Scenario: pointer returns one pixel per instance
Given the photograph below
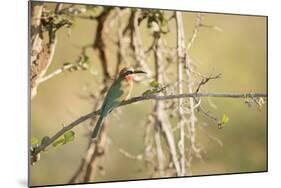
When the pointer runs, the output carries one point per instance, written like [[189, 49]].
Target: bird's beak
[[138, 71]]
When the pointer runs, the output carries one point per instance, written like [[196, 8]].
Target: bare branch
[[55, 73], [209, 115], [121, 47], [143, 98], [198, 24], [161, 117], [205, 80], [159, 152], [67, 66], [131, 156], [181, 54], [158, 107], [99, 42], [210, 136], [99, 149]]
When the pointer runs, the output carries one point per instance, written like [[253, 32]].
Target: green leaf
[[162, 19], [66, 64], [154, 84], [44, 140], [86, 58], [34, 141], [59, 142], [224, 119], [69, 136], [66, 138], [149, 92]]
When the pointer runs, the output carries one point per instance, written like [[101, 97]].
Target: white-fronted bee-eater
[[119, 91]]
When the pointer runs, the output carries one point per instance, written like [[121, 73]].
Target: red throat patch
[[129, 78]]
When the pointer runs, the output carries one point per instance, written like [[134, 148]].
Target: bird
[[119, 91]]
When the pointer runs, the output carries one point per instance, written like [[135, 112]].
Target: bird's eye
[[130, 72]]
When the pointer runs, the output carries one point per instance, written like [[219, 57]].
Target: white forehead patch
[[130, 69]]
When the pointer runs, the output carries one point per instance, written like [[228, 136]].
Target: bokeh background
[[238, 52]]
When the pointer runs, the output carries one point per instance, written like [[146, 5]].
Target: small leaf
[[74, 68], [92, 9], [86, 58], [224, 119], [34, 141], [149, 92], [66, 64], [44, 140], [69, 136], [154, 84], [59, 142]]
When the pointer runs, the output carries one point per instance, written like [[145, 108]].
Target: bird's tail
[[97, 128]]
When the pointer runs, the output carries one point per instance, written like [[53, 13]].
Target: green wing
[[113, 98]]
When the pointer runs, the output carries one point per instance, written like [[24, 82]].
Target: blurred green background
[[238, 52]]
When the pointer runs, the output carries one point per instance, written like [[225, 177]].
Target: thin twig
[[198, 24], [205, 80], [55, 73], [211, 137], [209, 115], [131, 156]]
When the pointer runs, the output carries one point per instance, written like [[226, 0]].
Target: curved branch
[[138, 99]]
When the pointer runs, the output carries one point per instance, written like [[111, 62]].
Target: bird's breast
[[127, 86]]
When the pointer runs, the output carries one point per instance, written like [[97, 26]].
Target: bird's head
[[127, 73]]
